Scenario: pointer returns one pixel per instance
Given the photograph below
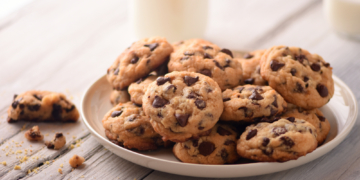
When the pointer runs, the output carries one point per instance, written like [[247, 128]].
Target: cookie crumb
[[61, 165], [16, 167], [34, 134], [60, 170], [76, 161], [3, 163], [23, 127], [57, 143], [46, 162], [71, 146], [25, 158], [28, 171]]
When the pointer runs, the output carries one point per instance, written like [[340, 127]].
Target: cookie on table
[[137, 61], [282, 140], [219, 147], [302, 78], [197, 55], [249, 102], [117, 97], [138, 88], [127, 125], [251, 68], [314, 117], [183, 105], [36, 105]]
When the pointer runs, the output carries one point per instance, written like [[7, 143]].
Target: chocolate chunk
[[57, 111], [192, 95], [315, 67], [116, 72], [306, 78], [273, 111], [200, 128], [159, 102], [195, 142], [228, 52], [38, 97], [247, 56], [268, 151], [322, 90], [226, 99], [223, 132], [224, 154], [15, 104], [200, 103], [240, 89], [182, 119], [159, 115], [188, 80], [255, 95], [275, 102], [207, 56], [249, 81], [15, 96], [152, 46], [228, 142], [321, 118], [228, 61], [206, 148], [251, 134], [291, 119], [298, 88], [293, 71], [218, 65], [287, 141], [207, 47], [265, 141], [326, 64], [300, 58], [187, 53], [275, 65], [205, 72], [171, 86], [70, 109], [134, 60], [162, 80], [116, 113], [279, 130], [58, 135], [184, 58], [132, 118], [34, 107]]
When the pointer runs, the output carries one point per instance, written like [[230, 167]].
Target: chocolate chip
[[188, 80], [275, 65], [228, 61], [279, 130], [287, 141], [228, 52], [218, 65], [139, 81], [116, 72], [15, 104], [200, 128], [275, 102], [247, 56], [58, 135], [15, 96], [273, 111], [182, 119], [200, 104], [184, 58], [205, 72], [171, 86], [207, 47], [224, 154], [268, 151], [192, 95], [291, 119], [255, 95], [326, 64], [187, 53], [207, 56], [195, 142], [152, 46], [240, 89], [251, 134], [56, 112], [298, 88], [70, 109], [249, 81], [159, 102], [37, 97], [321, 118], [162, 80], [306, 78], [265, 141], [134, 60], [315, 67], [310, 130], [226, 99], [300, 58], [34, 107], [116, 113], [322, 90], [223, 132], [293, 71], [206, 148], [131, 118], [228, 142]]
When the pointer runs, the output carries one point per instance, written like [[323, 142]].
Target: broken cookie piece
[[34, 134], [76, 161], [42, 106], [57, 143]]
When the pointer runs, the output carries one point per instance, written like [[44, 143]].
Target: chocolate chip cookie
[[42, 106], [183, 105], [138, 88], [127, 125], [314, 117], [302, 78], [249, 102], [137, 61], [219, 147], [282, 140], [117, 97], [197, 55], [251, 68]]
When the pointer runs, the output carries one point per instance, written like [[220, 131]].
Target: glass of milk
[[174, 19], [344, 16]]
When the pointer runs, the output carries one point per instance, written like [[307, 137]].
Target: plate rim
[[353, 107]]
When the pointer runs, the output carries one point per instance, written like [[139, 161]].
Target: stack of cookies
[[214, 108]]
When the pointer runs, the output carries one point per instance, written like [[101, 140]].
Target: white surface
[[9, 6], [341, 112]]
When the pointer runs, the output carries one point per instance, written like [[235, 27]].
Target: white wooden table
[[65, 45]]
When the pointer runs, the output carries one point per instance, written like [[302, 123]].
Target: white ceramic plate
[[341, 111]]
